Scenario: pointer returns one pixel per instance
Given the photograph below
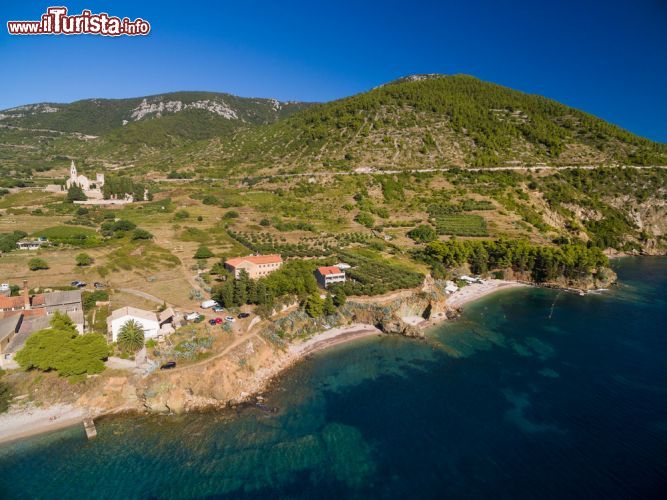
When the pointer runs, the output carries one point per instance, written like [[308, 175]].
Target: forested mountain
[[420, 121], [433, 120], [100, 116]]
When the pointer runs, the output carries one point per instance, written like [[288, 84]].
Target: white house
[[147, 319], [329, 275], [31, 244]]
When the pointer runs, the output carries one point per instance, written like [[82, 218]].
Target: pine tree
[[329, 307], [75, 193]]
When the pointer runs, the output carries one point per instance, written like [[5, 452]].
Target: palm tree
[[131, 336]]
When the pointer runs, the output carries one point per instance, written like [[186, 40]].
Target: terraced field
[[461, 225]]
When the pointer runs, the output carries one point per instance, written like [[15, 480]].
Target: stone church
[[84, 183]]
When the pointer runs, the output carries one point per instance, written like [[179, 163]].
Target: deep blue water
[[531, 394]]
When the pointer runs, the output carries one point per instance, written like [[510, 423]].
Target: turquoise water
[[531, 394]]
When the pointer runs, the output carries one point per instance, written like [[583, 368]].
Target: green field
[[461, 225]]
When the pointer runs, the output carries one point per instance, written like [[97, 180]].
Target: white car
[[192, 316], [231, 319]]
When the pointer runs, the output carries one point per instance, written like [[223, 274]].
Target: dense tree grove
[[62, 349], [544, 263], [118, 187], [491, 116]]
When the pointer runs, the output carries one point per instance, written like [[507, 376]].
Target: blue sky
[[606, 57]]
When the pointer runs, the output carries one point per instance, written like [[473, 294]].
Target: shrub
[[141, 234], [8, 240], [83, 259], [365, 219], [423, 233], [182, 214], [232, 214], [203, 252], [36, 264], [265, 222], [209, 200], [123, 225]]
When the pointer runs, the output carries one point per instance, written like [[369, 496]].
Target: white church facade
[[92, 189]]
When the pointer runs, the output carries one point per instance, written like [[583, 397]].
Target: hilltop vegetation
[[439, 121], [410, 123]]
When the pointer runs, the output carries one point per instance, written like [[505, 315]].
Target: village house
[[31, 244], [22, 315], [329, 275], [257, 266], [153, 324]]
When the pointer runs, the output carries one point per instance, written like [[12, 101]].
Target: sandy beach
[[332, 337], [26, 421], [476, 291]]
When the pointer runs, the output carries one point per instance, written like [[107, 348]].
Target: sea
[[533, 393]]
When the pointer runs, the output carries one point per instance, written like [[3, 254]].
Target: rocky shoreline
[[248, 371]]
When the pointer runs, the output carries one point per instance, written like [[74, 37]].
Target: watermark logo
[[56, 21]]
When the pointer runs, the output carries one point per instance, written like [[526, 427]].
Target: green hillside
[[421, 121], [440, 121], [100, 116]]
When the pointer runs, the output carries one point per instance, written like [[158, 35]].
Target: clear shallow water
[[532, 394]]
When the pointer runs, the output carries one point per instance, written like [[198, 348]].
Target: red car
[[218, 321]]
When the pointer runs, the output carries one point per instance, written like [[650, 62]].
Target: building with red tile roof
[[257, 266]]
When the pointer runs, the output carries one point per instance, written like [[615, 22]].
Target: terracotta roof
[[324, 271], [17, 301], [39, 300], [255, 259], [27, 313]]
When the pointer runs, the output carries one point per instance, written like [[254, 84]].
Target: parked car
[[207, 304], [231, 319], [168, 365], [212, 322], [99, 285], [191, 316], [218, 321], [244, 315], [78, 284], [218, 309]]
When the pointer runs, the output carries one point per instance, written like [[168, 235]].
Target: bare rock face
[[389, 315]]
